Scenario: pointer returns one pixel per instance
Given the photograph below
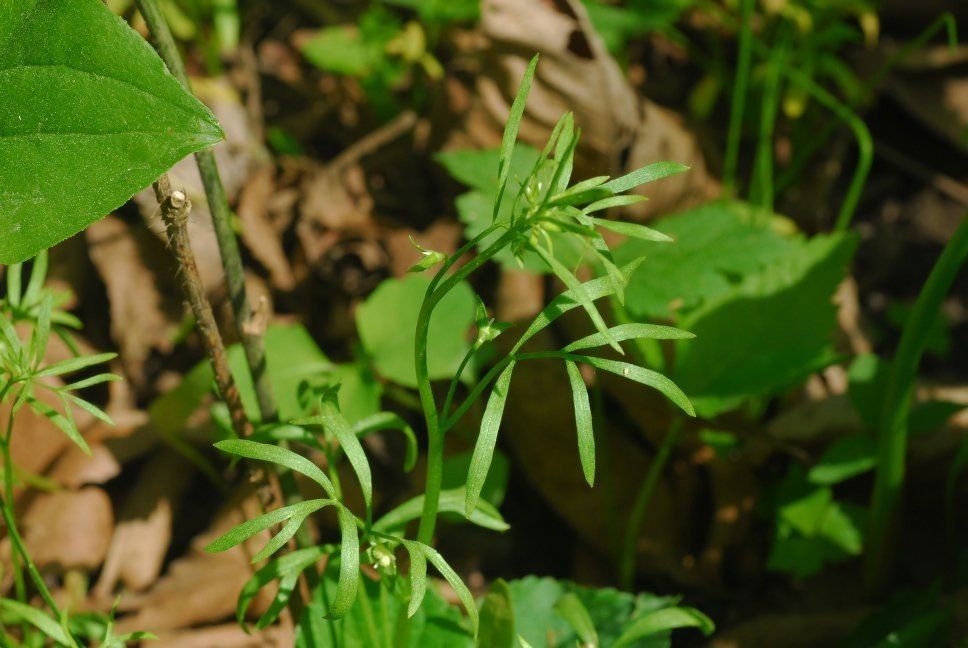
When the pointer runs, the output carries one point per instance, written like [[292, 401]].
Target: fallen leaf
[[69, 529]]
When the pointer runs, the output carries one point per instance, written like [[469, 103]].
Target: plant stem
[[764, 154], [636, 517], [740, 88], [222, 221], [439, 287], [892, 422]]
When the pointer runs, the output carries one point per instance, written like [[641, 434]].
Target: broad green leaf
[[610, 610], [571, 609], [715, 245], [583, 421], [649, 173], [451, 501], [644, 376], [497, 618], [633, 331], [333, 422], [487, 440], [664, 620], [390, 421], [387, 322], [845, 458], [340, 50], [90, 115], [249, 528], [511, 134], [768, 332], [15, 611], [280, 456]]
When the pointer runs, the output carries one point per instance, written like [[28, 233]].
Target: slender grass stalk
[[222, 221], [892, 421], [740, 89], [764, 155], [439, 287], [626, 570]]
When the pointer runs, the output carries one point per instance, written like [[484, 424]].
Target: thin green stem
[[18, 577], [452, 390], [740, 89], [892, 422], [764, 154], [435, 434], [641, 504]]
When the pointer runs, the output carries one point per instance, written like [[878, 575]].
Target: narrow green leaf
[[633, 331], [390, 421], [644, 376], [583, 421], [564, 156], [14, 283], [280, 456], [581, 192], [249, 528], [595, 289], [451, 501], [578, 292], [511, 133], [38, 272], [41, 334], [663, 620], [649, 173], [632, 230], [486, 440], [418, 576], [463, 594], [90, 408], [64, 422], [75, 364], [283, 569], [93, 380], [349, 565], [335, 423], [36, 618], [290, 529], [573, 611], [612, 201]]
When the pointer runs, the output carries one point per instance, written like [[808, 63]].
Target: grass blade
[[511, 133], [583, 421], [280, 456], [36, 618], [633, 331], [486, 440], [644, 376], [648, 173]]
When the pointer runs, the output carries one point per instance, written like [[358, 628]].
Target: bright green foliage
[[617, 24], [767, 332], [88, 116], [845, 458], [479, 171], [485, 515], [387, 320], [487, 439], [812, 529], [14, 611], [547, 612], [715, 245], [374, 620], [497, 617]]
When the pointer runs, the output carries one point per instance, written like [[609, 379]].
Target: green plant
[[28, 381]]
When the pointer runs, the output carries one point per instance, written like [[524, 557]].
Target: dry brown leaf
[[144, 525], [69, 529], [228, 635], [139, 321], [257, 231]]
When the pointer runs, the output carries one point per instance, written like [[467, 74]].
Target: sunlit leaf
[[280, 456], [487, 440]]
